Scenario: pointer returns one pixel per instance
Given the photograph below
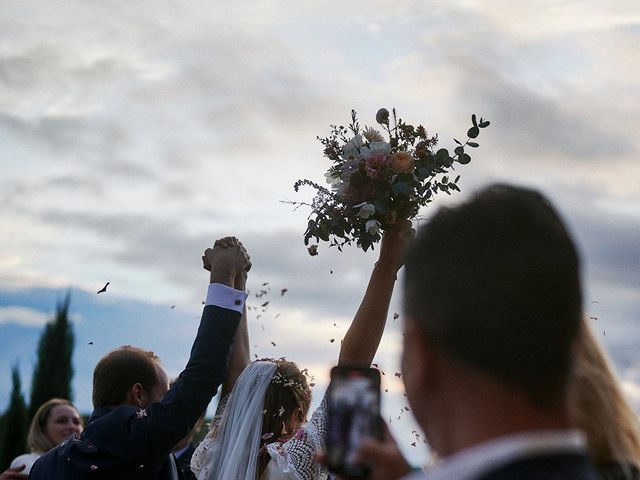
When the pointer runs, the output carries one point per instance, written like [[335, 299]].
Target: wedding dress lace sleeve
[[294, 459], [290, 460], [199, 460]]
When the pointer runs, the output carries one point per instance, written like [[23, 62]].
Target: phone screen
[[354, 415]]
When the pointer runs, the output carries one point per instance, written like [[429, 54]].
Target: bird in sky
[[103, 289]]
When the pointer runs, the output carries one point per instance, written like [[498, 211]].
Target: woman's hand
[[394, 243], [228, 262]]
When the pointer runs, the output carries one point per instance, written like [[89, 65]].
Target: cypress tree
[[14, 432], [53, 372]]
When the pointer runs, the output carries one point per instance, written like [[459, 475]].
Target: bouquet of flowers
[[378, 176]]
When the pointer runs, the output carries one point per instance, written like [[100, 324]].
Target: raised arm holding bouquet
[[260, 430]]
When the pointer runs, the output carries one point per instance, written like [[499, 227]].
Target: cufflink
[[238, 301]]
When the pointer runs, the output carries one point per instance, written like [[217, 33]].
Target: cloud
[[165, 247], [23, 316]]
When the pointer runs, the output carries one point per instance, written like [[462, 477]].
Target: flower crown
[[299, 388]]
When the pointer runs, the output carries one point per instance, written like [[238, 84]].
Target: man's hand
[[228, 262], [384, 458], [14, 474]]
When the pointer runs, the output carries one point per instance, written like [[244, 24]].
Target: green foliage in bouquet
[[378, 177]]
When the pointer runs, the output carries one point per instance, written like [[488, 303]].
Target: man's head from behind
[[128, 375], [494, 285]]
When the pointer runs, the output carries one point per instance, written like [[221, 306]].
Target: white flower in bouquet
[[366, 210], [372, 227], [372, 135], [351, 149], [375, 148], [333, 177]]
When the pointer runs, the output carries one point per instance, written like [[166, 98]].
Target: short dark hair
[[119, 370], [495, 283]]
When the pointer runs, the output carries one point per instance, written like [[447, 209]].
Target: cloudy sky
[[134, 134]]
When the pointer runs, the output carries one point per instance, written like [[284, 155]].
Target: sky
[[134, 134]]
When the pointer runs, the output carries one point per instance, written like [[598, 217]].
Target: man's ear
[[137, 395], [420, 363]]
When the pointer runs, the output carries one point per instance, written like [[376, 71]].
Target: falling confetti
[[395, 316], [283, 291], [332, 340], [398, 374], [273, 343], [265, 304], [103, 289]]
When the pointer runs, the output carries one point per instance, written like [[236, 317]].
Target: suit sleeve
[[157, 429]]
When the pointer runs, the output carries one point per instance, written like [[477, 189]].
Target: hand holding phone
[[354, 416]]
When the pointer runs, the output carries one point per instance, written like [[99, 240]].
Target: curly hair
[[286, 405]]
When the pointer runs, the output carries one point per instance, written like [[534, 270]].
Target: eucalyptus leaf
[[464, 159]]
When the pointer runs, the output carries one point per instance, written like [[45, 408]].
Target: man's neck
[[481, 424], [476, 411]]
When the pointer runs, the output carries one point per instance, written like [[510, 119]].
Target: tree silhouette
[[13, 438], [53, 372]]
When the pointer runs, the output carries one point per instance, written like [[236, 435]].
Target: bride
[[260, 430]]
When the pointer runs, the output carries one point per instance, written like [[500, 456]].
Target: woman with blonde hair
[[598, 407], [53, 423]]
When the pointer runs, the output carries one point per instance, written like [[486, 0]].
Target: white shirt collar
[[481, 459]]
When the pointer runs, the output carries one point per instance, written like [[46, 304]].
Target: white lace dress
[[290, 460]]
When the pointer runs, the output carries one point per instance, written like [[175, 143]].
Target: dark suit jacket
[[129, 443], [546, 467], [184, 462]]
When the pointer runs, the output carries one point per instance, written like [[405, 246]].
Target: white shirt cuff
[[226, 297]]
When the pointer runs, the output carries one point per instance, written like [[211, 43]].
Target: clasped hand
[[228, 262]]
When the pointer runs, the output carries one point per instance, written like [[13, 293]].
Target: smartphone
[[353, 405]]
